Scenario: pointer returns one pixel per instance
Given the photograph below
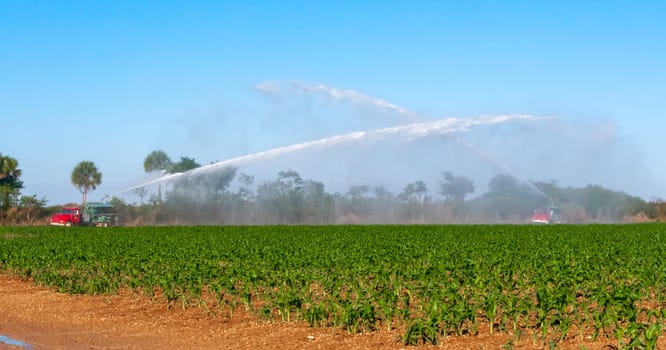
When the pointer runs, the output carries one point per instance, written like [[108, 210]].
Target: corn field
[[553, 283]]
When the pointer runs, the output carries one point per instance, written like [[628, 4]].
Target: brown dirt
[[45, 319]]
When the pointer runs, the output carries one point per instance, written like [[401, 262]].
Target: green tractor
[[99, 214]]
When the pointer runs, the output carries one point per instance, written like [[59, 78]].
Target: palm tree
[[9, 167], [10, 184], [86, 177], [157, 161]]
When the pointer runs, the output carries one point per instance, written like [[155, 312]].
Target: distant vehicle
[[92, 214], [547, 215]]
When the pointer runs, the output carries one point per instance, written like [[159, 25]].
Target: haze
[[111, 81]]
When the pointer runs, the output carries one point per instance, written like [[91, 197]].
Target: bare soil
[[45, 319]]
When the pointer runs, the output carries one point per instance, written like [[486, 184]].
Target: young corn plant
[[490, 306], [652, 333]]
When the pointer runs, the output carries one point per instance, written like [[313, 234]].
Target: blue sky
[[110, 81]]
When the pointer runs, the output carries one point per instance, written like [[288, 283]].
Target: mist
[[378, 144]]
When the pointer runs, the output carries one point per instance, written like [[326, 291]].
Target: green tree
[[142, 192], [414, 196], [282, 200], [245, 191], [86, 177], [201, 198], [31, 207], [455, 188], [509, 199], [382, 206], [157, 161], [10, 183], [216, 183], [319, 206], [358, 201], [603, 204], [183, 165], [503, 184], [415, 192]]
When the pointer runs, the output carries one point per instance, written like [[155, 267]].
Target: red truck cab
[[548, 215], [68, 216]]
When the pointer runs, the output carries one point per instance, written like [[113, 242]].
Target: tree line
[[228, 197]]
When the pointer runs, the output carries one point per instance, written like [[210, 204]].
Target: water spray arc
[[408, 132], [501, 166], [360, 98], [272, 88], [356, 97]]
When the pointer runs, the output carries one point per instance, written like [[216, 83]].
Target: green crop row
[[428, 282]]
